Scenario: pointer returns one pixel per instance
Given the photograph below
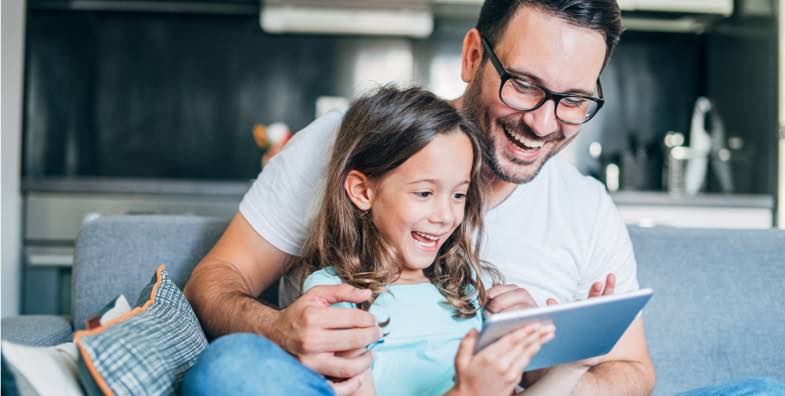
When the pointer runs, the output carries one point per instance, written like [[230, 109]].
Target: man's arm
[[223, 289], [626, 370]]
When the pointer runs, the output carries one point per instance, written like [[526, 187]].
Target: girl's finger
[[532, 344], [524, 358], [551, 301], [504, 350], [525, 351], [465, 351]]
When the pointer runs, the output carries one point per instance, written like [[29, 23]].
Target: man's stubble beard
[[474, 111]]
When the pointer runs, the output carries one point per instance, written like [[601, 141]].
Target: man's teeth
[[525, 140]]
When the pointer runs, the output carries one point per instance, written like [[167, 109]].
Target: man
[[532, 68]]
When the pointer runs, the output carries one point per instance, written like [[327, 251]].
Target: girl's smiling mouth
[[425, 241]]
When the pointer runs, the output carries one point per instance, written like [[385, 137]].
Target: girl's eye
[[460, 196], [423, 194]]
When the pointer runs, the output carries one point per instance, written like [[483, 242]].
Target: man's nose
[[542, 121]]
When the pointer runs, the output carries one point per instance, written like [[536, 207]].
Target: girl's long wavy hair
[[379, 132]]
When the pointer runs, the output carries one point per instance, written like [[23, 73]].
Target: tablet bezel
[[617, 312]]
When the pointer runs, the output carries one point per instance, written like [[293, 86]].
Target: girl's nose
[[442, 214]]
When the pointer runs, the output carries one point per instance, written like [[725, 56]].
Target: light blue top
[[417, 356]]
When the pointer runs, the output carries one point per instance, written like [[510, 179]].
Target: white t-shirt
[[553, 236]]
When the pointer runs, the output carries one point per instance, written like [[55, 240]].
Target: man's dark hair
[[602, 16]]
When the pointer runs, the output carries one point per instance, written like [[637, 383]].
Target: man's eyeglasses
[[525, 95]]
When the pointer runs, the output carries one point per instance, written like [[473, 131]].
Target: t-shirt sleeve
[[324, 277], [285, 198], [610, 250]]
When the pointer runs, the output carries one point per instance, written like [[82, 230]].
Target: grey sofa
[[718, 312]]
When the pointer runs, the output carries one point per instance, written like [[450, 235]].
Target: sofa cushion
[[116, 255], [37, 330], [718, 306], [147, 350]]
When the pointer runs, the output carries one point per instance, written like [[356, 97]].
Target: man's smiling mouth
[[521, 141]]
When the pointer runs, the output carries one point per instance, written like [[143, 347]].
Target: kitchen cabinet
[[719, 7], [650, 209]]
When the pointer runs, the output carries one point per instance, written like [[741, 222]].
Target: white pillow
[[44, 370]]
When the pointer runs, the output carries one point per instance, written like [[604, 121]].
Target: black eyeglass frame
[[504, 75]]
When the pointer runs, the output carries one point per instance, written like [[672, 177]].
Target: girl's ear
[[360, 189]]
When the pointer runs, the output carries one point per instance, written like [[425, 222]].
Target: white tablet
[[584, 329]]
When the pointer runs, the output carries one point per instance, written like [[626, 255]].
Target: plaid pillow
[[147, 350]]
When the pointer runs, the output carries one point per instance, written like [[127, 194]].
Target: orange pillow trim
[[136, 311]]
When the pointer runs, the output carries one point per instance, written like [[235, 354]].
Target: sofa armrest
[[37, 330]]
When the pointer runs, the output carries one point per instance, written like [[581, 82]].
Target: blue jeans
[[247, 364], [745, 387]]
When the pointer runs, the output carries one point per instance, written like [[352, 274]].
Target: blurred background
[[138, 107]]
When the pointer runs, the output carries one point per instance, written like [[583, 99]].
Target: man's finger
[[512, 298], [351, 353], [330, 365], [344, 340], [518, 307], [347, 387], [610, 285], [499, 289], [595, 290], [342, 318], [333, 294]]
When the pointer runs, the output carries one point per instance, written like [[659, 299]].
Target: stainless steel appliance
[[55, 208]]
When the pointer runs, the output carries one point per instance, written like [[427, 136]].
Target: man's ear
[[360, 188], [471, 55]]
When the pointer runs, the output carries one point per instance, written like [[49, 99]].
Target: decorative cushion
[[34, 371], [147, 350]]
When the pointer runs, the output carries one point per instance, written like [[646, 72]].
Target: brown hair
[[379, 132], [602, 16]]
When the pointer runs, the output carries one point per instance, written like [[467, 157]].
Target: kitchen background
[[149, 107]]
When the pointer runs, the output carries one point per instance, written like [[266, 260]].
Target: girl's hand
[[498, 368]]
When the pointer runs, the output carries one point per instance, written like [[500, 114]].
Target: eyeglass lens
[[523, 95]]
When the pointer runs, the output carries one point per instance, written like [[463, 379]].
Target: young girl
[[402, 206]]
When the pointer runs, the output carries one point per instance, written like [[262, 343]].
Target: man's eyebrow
[[532, 77]]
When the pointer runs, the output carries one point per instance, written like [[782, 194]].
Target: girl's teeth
[[427, 236], [427, 240]]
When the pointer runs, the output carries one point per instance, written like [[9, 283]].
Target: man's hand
[[597, 289], [329, 340], [361, 384], [508, 297]]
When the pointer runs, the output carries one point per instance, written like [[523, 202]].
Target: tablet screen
[[584, 329]]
